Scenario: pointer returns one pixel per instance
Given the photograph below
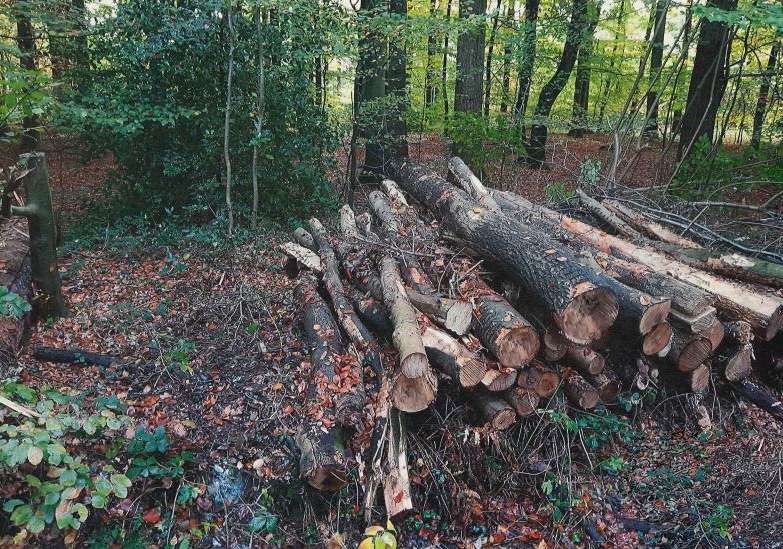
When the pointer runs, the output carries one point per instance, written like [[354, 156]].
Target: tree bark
[[579, 391], [585, 360], [453, 358], [370, 82], [490, 51], [580, 304], [470, 58], [495, 412], [527, 59], [708, 80], [451, 314], [430, 74], [656, 61], [583, 73], [507, 54], [49, 302], [260, 99], [395, 118], [524, 401], [760, 397], [25, 41], [16, 275], [763, 99], [444, 70], [227, 121], [537, 377], [551, 90], [650, 228]]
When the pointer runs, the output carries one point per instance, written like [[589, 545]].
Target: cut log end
[[413, 394], [774, 325], [589, 315], [586, 360], [516, 347], [654, 315], [699, 378], [414, 365], [458, 317], [499, 379], [694, 353], [495, 412], [580, 392], [524, 401], [540, 379], [738, 365], [472, 371], [657, 339]]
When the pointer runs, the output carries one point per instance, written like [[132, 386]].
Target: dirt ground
[[231, 315]]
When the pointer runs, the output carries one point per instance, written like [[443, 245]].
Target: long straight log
[[396, 483], [346, 315], [322, 462], [734, 300], [467, 180], [760, 397], [580, 303], [414, 387], [606, 215], [652, 229]]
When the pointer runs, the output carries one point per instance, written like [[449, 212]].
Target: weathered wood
[[606, 215], [580, 303], [652, 229], [524, 401], [348, 225], [714, 333], [736, 362], [393, 191], [322, 463], [73, 356], [383, 211], [688, 351], [396, 483], [537, 377], [504, 332], [452, 314], [585, 360], [16, 275], [353, 326], [302, 256], [554, 346], [453, 358], [467, 180], [579, 391], [694, 324], [606, 383], [496, 413], [304, 238], [658, 340]]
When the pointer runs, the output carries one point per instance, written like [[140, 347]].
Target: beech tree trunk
[[763, 99], [25, 41], [470, 60], [526, 61], [580, 303], [490, 52], [453, 358], [48, 301], [555, 85], [656, 61], [431, 73], [708, 80], [507, 55], [370, 82]]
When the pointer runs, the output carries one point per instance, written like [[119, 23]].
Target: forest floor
[[226, 318]]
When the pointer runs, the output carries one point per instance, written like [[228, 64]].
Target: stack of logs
[[508, 301]]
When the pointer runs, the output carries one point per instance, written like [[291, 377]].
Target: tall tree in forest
[[763, 99], [527, 58], [397, 90], [470, 58], [490, 51], [370, 81], [551, 90], [708, 80], [611, 78], [583, 72], [656, 60], [227, 120], [25, 41], [444, 75], [507, 53], [259, 109], [431, 73]]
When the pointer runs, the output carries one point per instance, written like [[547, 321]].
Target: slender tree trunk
[[656, 60], [370, 83], [430, 75], [488, 74], [612, 61], [259, 111], [763, 99], [227, 121], [397, 91], [470, 60], [555, 85], [708, 80], [507, 53], [527, 58], [444, 70], [25, 41], [582, 86]]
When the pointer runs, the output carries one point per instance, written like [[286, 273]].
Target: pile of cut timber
[[508, 302]]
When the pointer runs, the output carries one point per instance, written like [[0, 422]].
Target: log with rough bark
[[16, 275], [414, 386], [467, 180], [453, 358], [499, 378], [348, 225], [504, 332], [579, 391], [73, 356], [346, 315], [580, 303], [760, 397], [322, 463], [451, 314], [524, 401], [734, 300], [384, 212], [539, 378], [495, 413], [394, 192], [736, 361], [648, 227], [303, 256], [606, 215], [585, 360]]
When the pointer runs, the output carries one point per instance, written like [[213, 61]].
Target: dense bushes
[[154, 96]]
